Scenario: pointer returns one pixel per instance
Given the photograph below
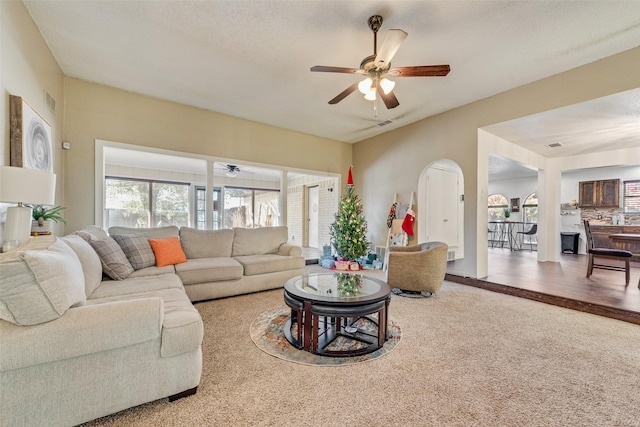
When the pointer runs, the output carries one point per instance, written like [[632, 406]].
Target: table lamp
[[22, 185]]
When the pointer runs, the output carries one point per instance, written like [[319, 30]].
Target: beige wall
[[392, 162], [388, 164], [27, 69], [94, 111]]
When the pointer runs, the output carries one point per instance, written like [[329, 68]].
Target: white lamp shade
[[371, 95], [387, 85], [22, 185], [365, 86]]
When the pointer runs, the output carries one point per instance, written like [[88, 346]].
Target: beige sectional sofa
[[222, 263], [75, 346]]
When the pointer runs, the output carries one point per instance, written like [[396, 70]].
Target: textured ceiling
[[251, 59]]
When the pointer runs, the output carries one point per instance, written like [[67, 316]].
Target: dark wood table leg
[[307, 325]]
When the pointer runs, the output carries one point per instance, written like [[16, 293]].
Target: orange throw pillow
[[167, 251]]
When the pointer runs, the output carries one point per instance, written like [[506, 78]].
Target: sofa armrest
[[289, 250], [81, 330]]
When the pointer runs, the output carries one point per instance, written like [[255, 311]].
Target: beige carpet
[[467, 357]]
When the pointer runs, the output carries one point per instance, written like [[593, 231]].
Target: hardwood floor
[[564, 284]]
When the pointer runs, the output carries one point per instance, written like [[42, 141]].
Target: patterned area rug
[[267, 332]]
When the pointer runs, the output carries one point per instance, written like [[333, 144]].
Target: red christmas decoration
[[407, 224], [350, 178]]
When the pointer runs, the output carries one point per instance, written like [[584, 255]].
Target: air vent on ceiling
[[49, 101], [386, 122], [554, 145]]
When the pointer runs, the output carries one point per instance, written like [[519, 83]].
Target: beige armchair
[[417, 268]]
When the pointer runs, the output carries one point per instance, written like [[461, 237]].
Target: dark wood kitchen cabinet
[[599, 194]]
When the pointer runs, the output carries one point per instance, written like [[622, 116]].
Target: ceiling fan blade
[[420, 71], [342, 95], [389, 99], [326, 69], [389, 47]]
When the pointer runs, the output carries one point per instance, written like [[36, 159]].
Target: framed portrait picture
[[30, 136]]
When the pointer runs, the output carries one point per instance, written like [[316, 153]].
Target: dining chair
[[607, 253], [531, 232]]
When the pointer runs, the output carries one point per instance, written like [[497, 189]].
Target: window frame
[[501, 207], [253, 190], [150, 182], [625, 209], [526, 206], [217, 198]]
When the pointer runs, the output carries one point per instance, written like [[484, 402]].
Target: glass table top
[[341, 286]]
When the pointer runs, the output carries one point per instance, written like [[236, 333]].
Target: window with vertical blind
[[631, 191]]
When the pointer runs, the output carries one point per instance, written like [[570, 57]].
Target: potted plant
[[43, 216], [507, 212]]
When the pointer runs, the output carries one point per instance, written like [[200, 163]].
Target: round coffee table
[[337, 314]]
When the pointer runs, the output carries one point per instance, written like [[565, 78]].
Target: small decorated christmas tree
[[348, 231]]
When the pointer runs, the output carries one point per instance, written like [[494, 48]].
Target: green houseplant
[[40, 214]]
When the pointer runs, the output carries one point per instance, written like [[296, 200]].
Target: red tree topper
[[350, 178]]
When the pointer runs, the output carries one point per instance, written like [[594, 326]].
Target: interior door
[[313, 205], [442, 206]]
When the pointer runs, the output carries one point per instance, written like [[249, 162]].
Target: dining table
[[627, 241], [507, 232]]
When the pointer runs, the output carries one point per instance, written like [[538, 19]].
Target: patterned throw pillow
[[137, 250], [114, 262], [168, 251]]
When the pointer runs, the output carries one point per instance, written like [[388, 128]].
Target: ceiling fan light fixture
[[387, 85], [231, 174], [371, 95], [365, 86]]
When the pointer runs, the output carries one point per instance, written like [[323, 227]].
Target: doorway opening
[[441, 206]]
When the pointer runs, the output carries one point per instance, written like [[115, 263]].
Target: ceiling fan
[[377, 68], [232, 170]]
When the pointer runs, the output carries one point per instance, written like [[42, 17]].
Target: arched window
[[530, 208], [497, 206]]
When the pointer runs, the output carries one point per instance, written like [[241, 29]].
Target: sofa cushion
[[167, 251], [206, 243], [182, 328], [38, 286], [92, 232], [114, 262], [153, 271], [135, 285], [258, 241], [89, 259], [91, 328], [137, 250], [152, 233], [261, 264], [204, 270]]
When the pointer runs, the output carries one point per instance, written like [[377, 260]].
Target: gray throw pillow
[[114, 262], [137, 250]]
